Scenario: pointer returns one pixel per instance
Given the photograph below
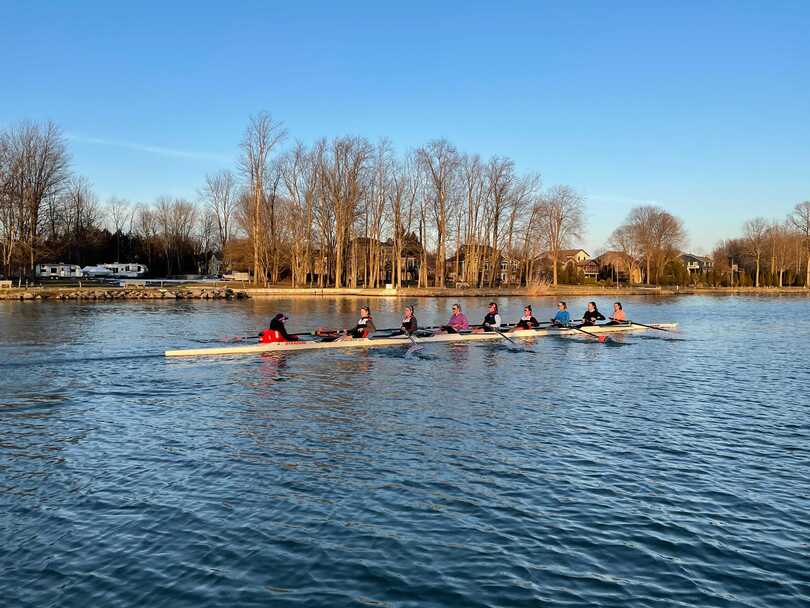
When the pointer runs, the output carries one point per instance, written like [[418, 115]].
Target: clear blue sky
[[702, 107]]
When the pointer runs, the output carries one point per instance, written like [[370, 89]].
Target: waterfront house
[[696, 264], [618, 266]]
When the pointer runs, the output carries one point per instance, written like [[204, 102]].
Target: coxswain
[[563, 317], [276, 332], [364, 328], [592, 315], [458, 321], [492, 320], [409, 324], [618, 317], [527, 321]]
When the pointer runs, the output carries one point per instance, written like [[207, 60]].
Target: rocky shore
[[95, 294], [211, 292]]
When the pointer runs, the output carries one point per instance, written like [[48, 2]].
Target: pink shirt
[[458, 321]]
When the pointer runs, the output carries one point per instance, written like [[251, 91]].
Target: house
[[565, 256], [410, 261], [507, 268], [696, 264], [590, 268], [619, 266], [577, 259]]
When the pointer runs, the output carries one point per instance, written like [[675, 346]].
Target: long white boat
[[246, 349]]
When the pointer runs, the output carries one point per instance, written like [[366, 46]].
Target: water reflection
[[452, 477]]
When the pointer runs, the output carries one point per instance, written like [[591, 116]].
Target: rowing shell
[[405, 341]]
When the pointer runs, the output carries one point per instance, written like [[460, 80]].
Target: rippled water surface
[[656, 470]]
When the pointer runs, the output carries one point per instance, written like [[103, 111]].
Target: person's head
[[562, 305], [617, 306], [592, 306], [456, 309], [493, 308], [408, 311], [527, 310], [280, 317], [364, 311]]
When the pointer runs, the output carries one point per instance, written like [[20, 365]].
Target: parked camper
[[57, 271], [127, 270]]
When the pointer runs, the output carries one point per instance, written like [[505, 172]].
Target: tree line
[[769, 253], [346, 212]]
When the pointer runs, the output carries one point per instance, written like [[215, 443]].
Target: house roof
[[565, 253]]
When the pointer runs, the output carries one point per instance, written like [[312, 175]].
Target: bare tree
[[560, 219], [440, 159], [658, 234], [756, 234], [119, 214], [262, 135], [623, 239], [39, 169], [344, 170], [800, 219], [219, 193]]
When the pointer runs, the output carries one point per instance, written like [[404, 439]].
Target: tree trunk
[[554, 269]]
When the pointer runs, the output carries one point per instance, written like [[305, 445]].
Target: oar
[[648, 326], [415, 348], [503, 335], [601, 338]]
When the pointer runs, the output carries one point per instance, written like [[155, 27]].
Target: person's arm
[[600, 316], [464, 323], [498, 321], [370, 328]]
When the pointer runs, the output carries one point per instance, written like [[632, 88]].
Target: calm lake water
[[657, 470]]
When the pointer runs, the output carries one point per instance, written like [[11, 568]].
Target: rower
[[492, 320], [563, 317], [276, 332], [592, 315], [527, 321], [364, 328], [618, 317], [409, 324], [458, 321]]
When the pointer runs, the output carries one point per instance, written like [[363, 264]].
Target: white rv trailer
[[128, 270], [58, 271]]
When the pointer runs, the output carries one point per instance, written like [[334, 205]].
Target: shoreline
[[209, 292]]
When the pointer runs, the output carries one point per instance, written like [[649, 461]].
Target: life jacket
[[489, 319], [271, 335]]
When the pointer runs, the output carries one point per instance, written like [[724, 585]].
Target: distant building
[[507, 269], [566, 256], [619, 267], [574, 259], [696, 264]]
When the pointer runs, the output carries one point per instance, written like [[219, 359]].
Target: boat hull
[[246, 349]]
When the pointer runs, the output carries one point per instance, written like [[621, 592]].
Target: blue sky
[[702, 107]]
